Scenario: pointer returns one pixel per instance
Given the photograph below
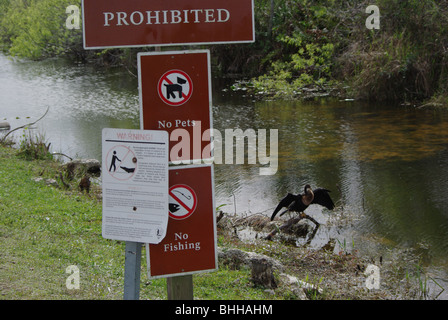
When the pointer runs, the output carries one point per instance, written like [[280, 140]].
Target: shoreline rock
[[80, 167], [266, 271], [5, 125]]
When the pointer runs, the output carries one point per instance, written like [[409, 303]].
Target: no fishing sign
[[190, 242], [182, 201]]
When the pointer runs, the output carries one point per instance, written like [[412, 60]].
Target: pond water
[[386, 165]]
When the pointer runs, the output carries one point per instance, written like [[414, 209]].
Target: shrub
[[406, 58], [34, 147]]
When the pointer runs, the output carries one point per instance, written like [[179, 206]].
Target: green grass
[[44, 230]]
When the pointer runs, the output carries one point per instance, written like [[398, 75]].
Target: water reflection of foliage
[[321, 131]]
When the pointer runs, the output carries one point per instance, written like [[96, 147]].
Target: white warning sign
[[135, 185]]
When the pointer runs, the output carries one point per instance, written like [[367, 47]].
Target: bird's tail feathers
[[283, 212]]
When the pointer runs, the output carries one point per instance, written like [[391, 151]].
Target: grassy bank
[[46, 228]]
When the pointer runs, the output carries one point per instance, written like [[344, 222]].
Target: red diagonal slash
[[180, 202]]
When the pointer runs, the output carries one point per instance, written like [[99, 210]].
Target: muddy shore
[[332, 271]]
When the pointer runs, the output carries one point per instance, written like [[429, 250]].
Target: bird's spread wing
[[285, 202], [322, 197]]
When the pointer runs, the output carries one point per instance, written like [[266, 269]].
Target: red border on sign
[[129, 176], [164, 77], [190, 210]]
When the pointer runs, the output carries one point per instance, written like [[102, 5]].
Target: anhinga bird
[[298, 203]]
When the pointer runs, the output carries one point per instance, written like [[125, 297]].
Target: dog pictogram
[[175, 87], [172, 88]]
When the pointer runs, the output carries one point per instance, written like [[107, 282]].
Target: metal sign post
[[132, 270], [135, 194]]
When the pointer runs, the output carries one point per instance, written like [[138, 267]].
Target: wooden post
[[132, 262], [180, 287]]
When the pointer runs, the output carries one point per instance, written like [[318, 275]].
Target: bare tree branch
[[24, 126]]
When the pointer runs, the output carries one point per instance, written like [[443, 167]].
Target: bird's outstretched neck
[[308, 196]]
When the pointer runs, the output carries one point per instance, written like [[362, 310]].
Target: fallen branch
[[291, 222], [24, 126], [61, 154], [66, 185]]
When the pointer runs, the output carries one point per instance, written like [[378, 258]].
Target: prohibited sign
[[182, 201], [175, 87]]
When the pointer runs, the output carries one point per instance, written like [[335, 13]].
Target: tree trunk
[[271, 20]]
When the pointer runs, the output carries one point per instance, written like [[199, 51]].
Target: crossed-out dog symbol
[[175, 87]]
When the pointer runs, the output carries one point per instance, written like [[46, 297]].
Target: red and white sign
[[190, 243], [175, 87], [182, 201], [175, 95], [137, 23]]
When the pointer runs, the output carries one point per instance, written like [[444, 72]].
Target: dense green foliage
[[407, 58], [299, 44], [36, 28], [320, 43]]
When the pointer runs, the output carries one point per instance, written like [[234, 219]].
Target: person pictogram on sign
[[112, 163], [172, 88]]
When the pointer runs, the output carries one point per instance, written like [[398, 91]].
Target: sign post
[[175, 95], [180, 287], [135, 194], [132, 264], [175, 98]]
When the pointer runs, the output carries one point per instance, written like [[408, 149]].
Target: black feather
[[294, 202], [322, 197], [284, 203]]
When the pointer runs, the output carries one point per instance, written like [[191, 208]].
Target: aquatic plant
[[34, 146]]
